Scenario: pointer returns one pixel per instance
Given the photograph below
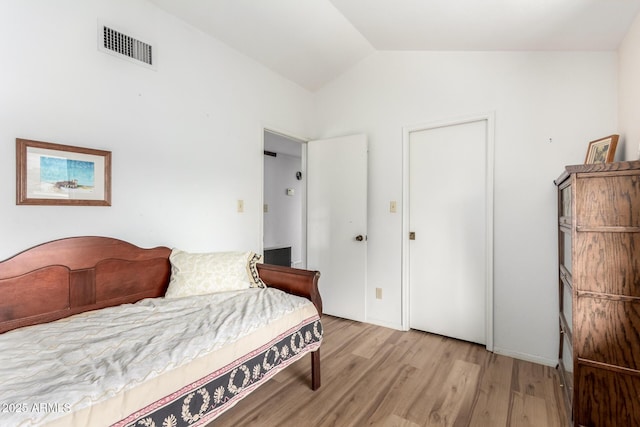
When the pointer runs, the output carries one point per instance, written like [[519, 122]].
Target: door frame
[[303, 168], [489, 117]]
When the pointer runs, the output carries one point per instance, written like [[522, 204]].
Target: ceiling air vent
[[124, 46]]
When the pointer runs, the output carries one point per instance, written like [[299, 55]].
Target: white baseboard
[[525, 356], [397, 326], [515, 354]]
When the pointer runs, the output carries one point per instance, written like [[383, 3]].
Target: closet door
[[447, 214]]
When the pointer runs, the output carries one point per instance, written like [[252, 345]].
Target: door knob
[[359, 237]]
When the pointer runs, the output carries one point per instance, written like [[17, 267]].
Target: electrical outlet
[[393, 207], [378, 293], [240, 205], [266, 208]]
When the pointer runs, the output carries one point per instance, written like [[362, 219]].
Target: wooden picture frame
[[56, 174], [602, 150]]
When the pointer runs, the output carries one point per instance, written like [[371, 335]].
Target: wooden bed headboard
[[69, 276], [77, 274]]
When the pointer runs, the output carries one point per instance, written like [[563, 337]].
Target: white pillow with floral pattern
[[206, 273]]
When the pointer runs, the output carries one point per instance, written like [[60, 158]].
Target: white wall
[[569, 97], [186, 139], [629, 91]]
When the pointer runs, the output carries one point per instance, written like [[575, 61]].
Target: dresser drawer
[[566, 368], [607, 262], [610, 201], [604, 331], [565, 202], [606, 399], [566, 309]]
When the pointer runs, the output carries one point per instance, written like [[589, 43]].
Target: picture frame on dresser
[[602, 150], [57, 174]]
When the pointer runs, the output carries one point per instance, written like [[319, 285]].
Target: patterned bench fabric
[[205, 399]]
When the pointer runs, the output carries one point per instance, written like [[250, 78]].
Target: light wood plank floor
[[375, 376]]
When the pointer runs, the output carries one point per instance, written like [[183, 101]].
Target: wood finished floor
[[375, 376]]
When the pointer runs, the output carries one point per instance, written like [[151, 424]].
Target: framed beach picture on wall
[[602, 150], [56, 174]]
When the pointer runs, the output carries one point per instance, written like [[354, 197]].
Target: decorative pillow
[[206, 273], [256, 281]]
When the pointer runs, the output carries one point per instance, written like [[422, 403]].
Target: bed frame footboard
[[303, 283]]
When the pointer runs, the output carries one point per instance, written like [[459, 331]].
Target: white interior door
[[447, 213], [337, 222]]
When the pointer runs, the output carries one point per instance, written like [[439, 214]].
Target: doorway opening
[[284, 200]]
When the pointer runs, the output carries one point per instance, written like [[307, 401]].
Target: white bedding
[[49, 370]]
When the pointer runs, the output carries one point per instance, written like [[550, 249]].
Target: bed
[[88, 338]]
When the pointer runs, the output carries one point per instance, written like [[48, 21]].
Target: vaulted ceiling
[[311, 42]]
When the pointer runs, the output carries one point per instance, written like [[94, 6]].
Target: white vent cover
[[125, 46]]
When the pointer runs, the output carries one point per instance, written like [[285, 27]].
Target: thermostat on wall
[[291, 191]]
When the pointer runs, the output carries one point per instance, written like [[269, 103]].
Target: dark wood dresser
[[599, 291]]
